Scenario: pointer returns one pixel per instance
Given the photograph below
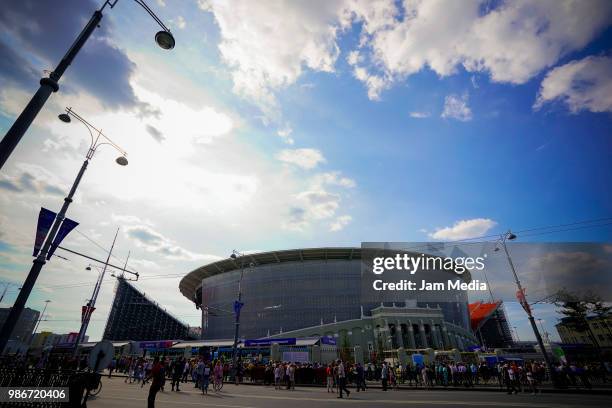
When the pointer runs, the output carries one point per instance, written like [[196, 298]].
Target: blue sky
[[300, 124]]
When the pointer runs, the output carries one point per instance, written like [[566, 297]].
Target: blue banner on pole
[[237, 306], [45, 220], [67, 226]]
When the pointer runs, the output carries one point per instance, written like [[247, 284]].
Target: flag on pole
[[45, 220], [67, 226], [85, 311], [237, 306]]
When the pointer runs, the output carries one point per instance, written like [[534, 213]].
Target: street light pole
[[50, 84], [521, 292], [92, 302], [238, 305], [39, 262], [42, 315]]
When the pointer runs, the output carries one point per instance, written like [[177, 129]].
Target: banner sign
[[417, 359], [237, 306], [328, 340], [67, 226], [520, 295], [268, 342], [45, 220], [155, 344], [296, 356]]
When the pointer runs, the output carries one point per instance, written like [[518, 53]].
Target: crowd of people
[[337, 376]]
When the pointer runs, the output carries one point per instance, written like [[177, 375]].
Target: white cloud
[[304, 158], [153, 241], [511, 41], [464, 229], [340, 222], [268, 45], [180, 22], [419, 115], [456, 107], [285, 134], [161, 3], [584, 84], [333, 178]]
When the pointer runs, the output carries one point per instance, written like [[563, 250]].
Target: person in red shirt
[[157, 374]]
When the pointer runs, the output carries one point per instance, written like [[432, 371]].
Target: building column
[[435, 335], [398, 334], [423, 336], [411, 335]]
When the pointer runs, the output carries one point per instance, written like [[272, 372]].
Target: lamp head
[[233, 256], [165, 40], [511, 236], [64, 117], [122, 161], [496, 249], [88, 268]]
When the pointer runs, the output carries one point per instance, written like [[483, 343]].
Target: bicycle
[[218, 384], [94, 384]]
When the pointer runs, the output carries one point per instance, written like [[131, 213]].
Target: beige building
[[600, 327]]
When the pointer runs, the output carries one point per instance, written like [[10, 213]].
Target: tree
[[577, 308]]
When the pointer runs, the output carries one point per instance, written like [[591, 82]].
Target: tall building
[[601, 327], [25, 325], [489, 323], [134, 316]]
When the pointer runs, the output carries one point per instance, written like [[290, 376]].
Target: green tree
[[577, 308]]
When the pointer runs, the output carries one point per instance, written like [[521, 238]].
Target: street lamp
[[97, 141], [48, 85], [520, 294]]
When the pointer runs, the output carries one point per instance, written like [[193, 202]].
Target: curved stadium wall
[[294, 289]]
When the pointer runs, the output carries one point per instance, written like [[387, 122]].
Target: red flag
[[86, 310]]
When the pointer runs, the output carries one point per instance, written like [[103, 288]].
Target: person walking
[[205, 378], [278, 375], [384, 375], [156, 374], [329, 374], [177, 372], [342, 380], [360, 377]]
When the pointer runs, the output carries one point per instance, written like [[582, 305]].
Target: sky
[[286, 124]]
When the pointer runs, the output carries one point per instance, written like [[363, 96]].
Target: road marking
[[338, 400], [169, 401]]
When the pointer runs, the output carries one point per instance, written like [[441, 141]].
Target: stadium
[[317, 292]]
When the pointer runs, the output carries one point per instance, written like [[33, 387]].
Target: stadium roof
[[193, 279], [480, 312]]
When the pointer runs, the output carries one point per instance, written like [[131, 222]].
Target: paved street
[[115, 393]]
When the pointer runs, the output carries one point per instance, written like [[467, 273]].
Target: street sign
[[101, 355]]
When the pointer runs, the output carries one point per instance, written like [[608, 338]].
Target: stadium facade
[[490, 324], [134, 316], [317, 293]]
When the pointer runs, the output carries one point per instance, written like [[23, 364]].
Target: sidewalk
[[545, 389]]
